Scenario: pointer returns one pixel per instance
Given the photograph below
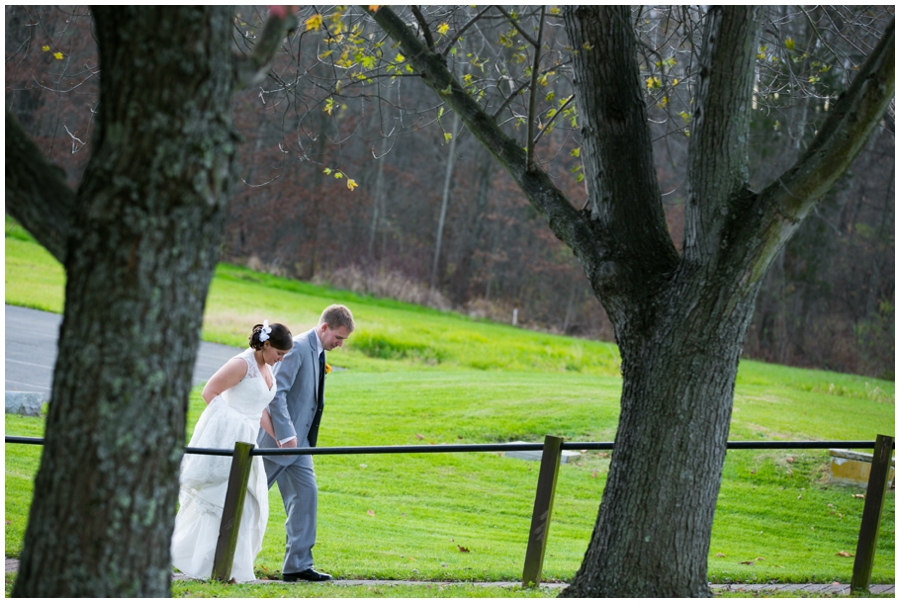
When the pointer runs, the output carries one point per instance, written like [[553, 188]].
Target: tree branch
[[564, 220], [462, 30], [785, 202], [252, 68], [718, 164], [529, 149], [36, 191], [521, 31], [552, 119], [420, 19], [623, 190]]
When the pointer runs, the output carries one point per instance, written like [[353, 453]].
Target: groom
[[296, 411]]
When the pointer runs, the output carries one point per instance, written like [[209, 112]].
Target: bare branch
[[529, 160], [251, 69], [462, 30], [423, 25], [518, 27], [552, 119]]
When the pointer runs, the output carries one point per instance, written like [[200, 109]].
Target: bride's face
[[272, 355]]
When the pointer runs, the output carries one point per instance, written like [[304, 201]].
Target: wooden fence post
[[231, 514], [871, 517], [543, 509]]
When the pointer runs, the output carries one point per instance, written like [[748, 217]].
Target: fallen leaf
[[462, 549], [844, 554], [746, 563], [760, 559], [753, 472], [790, 459], [362, 465], [594, 474], [720, 554], [419, 436], [859, 496], [370, 512]]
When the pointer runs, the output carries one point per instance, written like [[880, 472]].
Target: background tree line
[[433, 219]]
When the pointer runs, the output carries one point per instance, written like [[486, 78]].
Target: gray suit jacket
[[294, 410]]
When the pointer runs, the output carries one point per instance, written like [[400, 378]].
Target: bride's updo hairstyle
[[278, 336]]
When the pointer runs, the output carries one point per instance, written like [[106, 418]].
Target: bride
[[235, 396]]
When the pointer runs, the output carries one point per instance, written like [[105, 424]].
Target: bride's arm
[[226, 377], [265, 421]]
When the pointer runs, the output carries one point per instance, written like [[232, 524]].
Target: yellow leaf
[[326, 171], [45, 48], [400, 58], [314, 22], [443, 28], [789, 43], [338, 175], [351, 184], [58, 56], [554, 10], [447, 136]]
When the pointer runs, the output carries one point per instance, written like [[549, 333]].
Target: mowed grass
[[416, 376]]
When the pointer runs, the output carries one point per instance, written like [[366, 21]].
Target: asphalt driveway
[[31, 352]]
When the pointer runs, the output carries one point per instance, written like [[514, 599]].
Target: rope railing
[[517, 447]]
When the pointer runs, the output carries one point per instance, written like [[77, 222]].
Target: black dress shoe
[[310, 575]]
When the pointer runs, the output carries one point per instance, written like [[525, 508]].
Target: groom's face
[[332, 338]]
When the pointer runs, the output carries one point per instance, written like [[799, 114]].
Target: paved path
[[834, 589], [31, 352]]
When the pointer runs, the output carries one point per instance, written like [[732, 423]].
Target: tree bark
[[680, 322], [139, 244]]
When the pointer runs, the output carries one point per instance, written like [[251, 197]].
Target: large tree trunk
[[139, 243], [680, 321]]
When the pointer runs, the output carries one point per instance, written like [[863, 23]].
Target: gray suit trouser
[[297, 484]]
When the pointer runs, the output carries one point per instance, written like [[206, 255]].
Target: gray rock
[[24, 403]]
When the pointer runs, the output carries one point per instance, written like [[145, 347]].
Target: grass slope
[[417, 376]]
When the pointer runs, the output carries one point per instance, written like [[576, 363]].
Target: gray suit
[[296, 411]]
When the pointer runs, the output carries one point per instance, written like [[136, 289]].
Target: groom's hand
[[292, 443]]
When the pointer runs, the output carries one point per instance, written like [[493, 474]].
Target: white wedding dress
[[231, 417]]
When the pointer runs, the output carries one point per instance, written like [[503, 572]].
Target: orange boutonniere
[[327, 368]]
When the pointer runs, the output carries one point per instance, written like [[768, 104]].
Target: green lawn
[[418, 376]]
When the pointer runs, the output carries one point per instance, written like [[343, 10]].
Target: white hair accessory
[[264, 331]]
